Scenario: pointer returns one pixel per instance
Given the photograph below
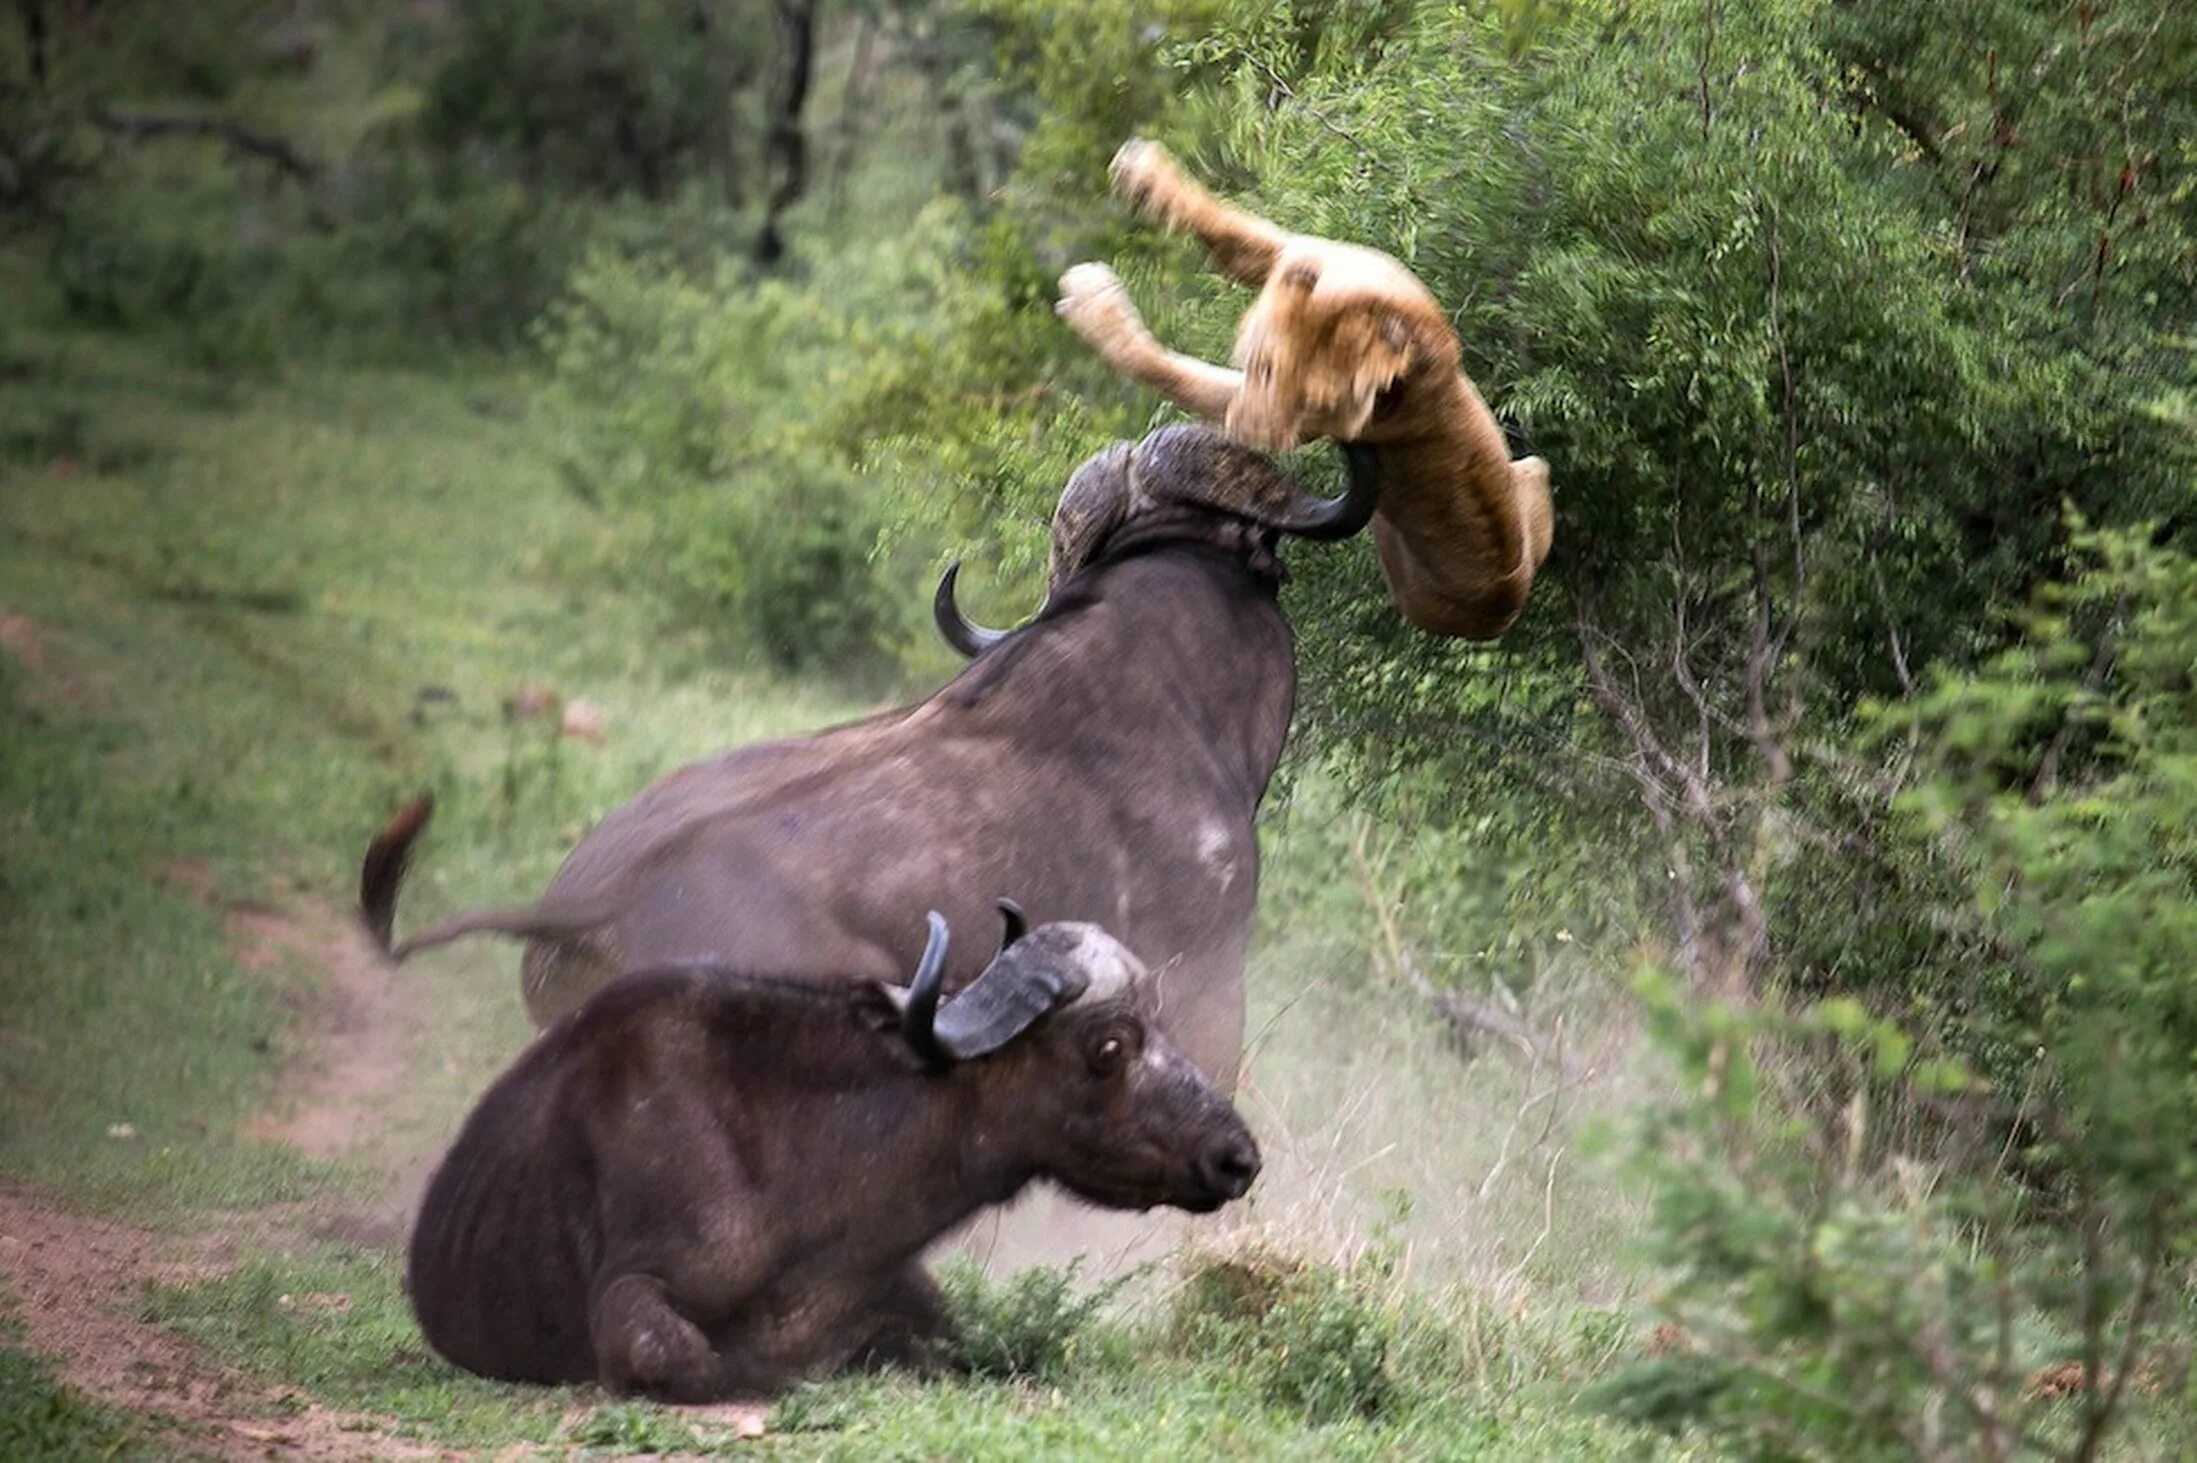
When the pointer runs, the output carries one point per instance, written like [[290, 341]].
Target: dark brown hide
[[1104, 763], [703, 1185]]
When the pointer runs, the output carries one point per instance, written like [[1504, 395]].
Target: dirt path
[[25, 639], [347, 1047], [345, 1051], [79, 1282], [76, 1284]]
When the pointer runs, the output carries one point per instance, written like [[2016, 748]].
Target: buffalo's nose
[[1229, 1165]]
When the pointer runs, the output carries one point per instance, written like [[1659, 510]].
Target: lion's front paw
[[1146, 175], [1096, 306]]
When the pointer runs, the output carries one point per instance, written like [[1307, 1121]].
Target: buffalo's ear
[[877, 1004]]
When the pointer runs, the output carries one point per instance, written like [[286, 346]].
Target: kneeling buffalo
[[706, 1184]]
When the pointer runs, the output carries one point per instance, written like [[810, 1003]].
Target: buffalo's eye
[[1110, 1052]]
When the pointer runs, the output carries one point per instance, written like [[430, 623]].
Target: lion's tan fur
[[1342, 342]]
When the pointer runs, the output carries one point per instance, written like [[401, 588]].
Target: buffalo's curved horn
[[1330, 520], [918, 1017], [1005, 1001], [1196, 465], [958, 630], [1361, 498], [1018, 924]]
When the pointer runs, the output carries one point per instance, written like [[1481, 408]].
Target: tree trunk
[[785, 143], [34, 37]]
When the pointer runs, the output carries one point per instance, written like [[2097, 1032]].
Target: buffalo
[[705, 1184], [1105, 760]]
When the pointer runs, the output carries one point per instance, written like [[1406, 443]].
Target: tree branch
[[1461, 1011], [144, 126]]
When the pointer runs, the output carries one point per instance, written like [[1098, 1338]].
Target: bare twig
[[1547, 1095], [2099, 1410], [1468, 1015], [1548, 1222], [1460, 1010], [1665, 785], [1274, 80]]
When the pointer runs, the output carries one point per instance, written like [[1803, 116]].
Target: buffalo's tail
[[387, 858]]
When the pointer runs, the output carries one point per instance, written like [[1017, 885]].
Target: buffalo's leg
[[1096, 305], [642, 1344], [558, 973], [663, 1294], [909, 1324], [1243, 245]]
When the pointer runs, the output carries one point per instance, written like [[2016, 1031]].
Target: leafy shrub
[[125, 261], [1878, 1254], [404, 263], [706, 415], [1797, 369], [1328, 1343], [1327, 1352], [475, 259], [40, 156], [1027, 1326]]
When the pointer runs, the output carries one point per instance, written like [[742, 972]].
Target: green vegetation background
[[1830, 800]]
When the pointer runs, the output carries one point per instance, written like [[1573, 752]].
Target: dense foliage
[[1889, 1256], [1816, 392]]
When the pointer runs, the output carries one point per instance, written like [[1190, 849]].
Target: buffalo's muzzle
[[1227, 1166]]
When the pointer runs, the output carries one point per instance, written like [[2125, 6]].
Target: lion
[[1343, 341]]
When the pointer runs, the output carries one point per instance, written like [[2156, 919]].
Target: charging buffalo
[[1105, 761]]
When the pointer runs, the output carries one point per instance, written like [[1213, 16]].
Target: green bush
[[600, 96], [1031, 1325], [130, 262], [1327, 1354], [1328, 1343], [1816, 350], [1878, 1253], [709, 416], [409, 263]]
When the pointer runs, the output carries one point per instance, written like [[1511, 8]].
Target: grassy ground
[[264, 615], [247, 617], [39, 1418]]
